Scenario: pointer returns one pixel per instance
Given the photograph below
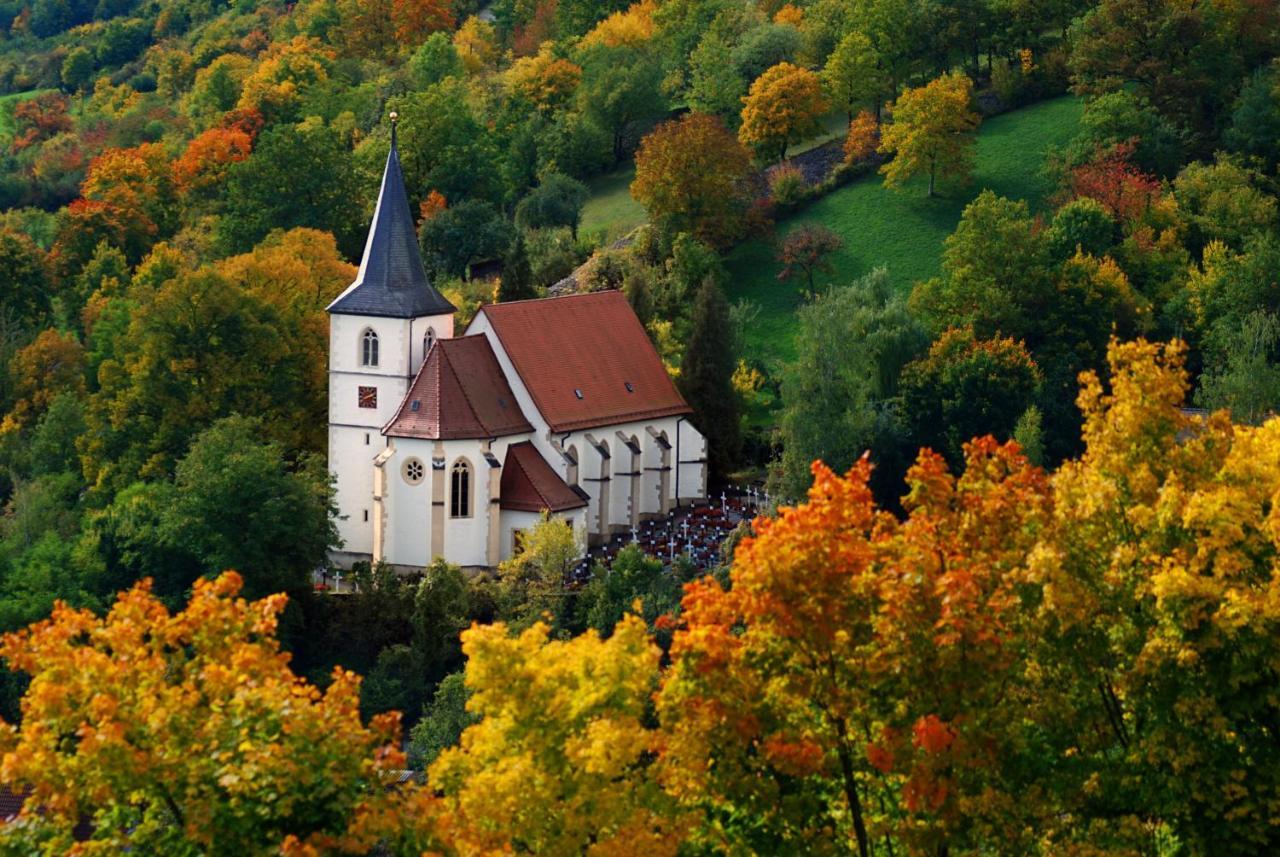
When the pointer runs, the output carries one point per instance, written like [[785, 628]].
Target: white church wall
[[352, 461], [408, 505], [355, 431]]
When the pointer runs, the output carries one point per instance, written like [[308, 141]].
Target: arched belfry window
[[428, 341], [369, 348], [460, 490]]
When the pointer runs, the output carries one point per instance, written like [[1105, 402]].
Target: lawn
[[610, 210], [901, 230]]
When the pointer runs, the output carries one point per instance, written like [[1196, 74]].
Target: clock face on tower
[[368, 397]]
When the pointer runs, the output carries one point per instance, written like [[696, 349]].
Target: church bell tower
[[380, 329]]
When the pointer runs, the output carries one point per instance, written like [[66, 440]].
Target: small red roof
[[586, 360], [530, 485], [460, 392]]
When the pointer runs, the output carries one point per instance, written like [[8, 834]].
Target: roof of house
[[460, 392], [530, 485], [585, 359], [392, 281]]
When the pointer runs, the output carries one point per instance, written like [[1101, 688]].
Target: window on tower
[[369, 349], [428, 341], [460, 490]]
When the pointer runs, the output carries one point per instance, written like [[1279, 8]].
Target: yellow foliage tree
[[477, 45], [288, 69], [629, 28], [783, 104], [931, 132], [558, 763], [545, 80]]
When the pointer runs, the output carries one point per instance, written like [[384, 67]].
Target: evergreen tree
[[517, 275], [706, 376]]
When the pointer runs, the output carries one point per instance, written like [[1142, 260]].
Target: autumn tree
[[563, 727], [287, 72], [863, 138], [194, 736], [783, 105], [691, 177], [706, 376], [205, 163], [630, 28], [806, 251], [52, 364], [931, 132], [831, 748]]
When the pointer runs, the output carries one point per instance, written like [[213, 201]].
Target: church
[[454, 446]]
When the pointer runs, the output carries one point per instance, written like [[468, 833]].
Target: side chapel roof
[[460, 392], [530, 485], [392, 281]]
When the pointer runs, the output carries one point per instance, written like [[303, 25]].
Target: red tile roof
[[530, 485], [586, 360], [460, 392]]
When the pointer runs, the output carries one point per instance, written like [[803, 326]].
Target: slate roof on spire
[[391, 281]]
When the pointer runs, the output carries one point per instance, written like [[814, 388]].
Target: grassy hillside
[[611, 211], [902, 230]]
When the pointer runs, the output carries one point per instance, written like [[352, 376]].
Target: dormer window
[[369, 348], [577, 393]]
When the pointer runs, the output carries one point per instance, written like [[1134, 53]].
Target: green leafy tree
[[852, 75], [26, 286], [620, 92], [1223, 201], [434, 60], [460, 236], [293, 178], [839, 399], [1247, 381], [715, 85], [444, 146], [517, 273], [77, 68], [1122, 117], [235, 502], [557, 201], [442, 723], [631, 576], [706, 376], [1255, 121], [965, 388]]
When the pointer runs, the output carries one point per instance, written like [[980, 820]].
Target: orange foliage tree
[[847, 685], [185, 733], [691, 176], [203, 167], [52, 364], [783, 104]]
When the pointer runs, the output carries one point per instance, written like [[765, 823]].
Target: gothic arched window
[[460, 490], [428, 341], [369, 348]]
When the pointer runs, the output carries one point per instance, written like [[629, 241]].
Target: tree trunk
[[851, 789]]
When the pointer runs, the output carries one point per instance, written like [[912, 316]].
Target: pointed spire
[[392, 281]]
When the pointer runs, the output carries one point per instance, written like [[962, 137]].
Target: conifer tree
[[517, 275], [706, 376]]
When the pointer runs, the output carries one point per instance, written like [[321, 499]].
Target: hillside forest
[[984, 293]]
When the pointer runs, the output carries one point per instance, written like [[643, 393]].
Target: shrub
[[787, 185]]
